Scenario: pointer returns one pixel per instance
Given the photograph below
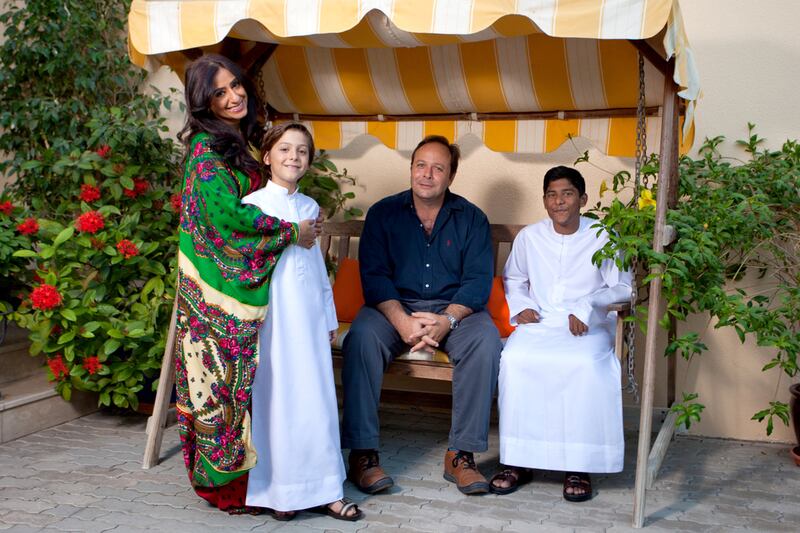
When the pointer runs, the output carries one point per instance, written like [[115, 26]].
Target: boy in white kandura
[[559, 397], [294, 410]]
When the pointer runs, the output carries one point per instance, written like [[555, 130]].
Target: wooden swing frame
[[649, 458]]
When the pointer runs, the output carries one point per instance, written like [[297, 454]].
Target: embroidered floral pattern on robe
[[227, 254]]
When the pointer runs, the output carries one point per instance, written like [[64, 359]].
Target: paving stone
[[11, 528], [151, 487], [33, 520], [30, 494], [64, 498], [28, 506], [18, 483], [536, 528], [90, 513], [62, 511], [676, 525], [421, 524]]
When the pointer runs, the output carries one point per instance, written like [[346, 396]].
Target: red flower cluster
[[92, 364], [89, 193], [45, 297], [57, 367], [175, 202], [139, 187], [104, 151], [127, 249], [6, 208], [90, 222], [28, 227]]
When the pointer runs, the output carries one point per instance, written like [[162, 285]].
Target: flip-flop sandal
[[342, 513], [283, 516], [516, 476], [574, 480]]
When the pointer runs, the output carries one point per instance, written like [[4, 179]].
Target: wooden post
[[155, 424], [669, 138], [672, 364]]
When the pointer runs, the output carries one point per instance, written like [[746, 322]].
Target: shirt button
[[426, 285], [427, 265], [428, 245]]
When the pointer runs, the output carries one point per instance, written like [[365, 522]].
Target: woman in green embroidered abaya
[[226, 256]]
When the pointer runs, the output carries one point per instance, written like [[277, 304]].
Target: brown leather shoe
[[459, 467], [366, 472]]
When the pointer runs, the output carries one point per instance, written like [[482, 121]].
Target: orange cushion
[[498, 308], [347, 294]]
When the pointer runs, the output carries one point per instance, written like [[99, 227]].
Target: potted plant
[[794, 409]]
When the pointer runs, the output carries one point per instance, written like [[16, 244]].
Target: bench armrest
[[620, 306]]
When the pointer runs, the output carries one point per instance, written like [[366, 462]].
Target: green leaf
[[64, 235], [46, 252], [69, 314], [24, 253], [111, 346], [155, 285], [66, 337], [120, 400], [104, 399], [124, 374], [31, 165], [91, 326]]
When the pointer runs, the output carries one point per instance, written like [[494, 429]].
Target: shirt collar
[[450, 201], [275, 188]]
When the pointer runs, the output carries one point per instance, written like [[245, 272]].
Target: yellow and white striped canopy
[[523, 75]]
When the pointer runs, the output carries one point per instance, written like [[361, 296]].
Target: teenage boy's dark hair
[[567, 173]]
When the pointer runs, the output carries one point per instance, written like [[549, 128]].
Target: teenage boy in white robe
[[559, 394]]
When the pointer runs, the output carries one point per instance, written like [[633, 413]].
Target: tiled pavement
[[86, 475]]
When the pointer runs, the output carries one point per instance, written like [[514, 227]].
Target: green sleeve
[[234, 247]]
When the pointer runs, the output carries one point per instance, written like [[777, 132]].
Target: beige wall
[[748, 55]]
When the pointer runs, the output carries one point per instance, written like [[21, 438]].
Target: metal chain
[[641, 159], [262, 94], [641, 131]]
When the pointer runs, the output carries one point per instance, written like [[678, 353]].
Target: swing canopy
[[522, 76]]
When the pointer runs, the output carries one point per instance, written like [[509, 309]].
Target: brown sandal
[[341, 514], [577, 480], [283, 516], [516, 476]]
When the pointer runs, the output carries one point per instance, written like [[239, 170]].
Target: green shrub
[[732, 217]]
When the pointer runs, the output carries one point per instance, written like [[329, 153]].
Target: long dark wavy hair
[[227, 141]]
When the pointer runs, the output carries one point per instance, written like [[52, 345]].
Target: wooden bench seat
[[338, 242]]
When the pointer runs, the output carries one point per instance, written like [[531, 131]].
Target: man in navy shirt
[[426, 269]]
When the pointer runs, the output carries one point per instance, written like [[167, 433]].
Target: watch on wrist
[[453, 322]]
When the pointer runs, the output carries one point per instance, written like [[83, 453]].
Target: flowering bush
[[88, 235], [100, 310], [729, 219]]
